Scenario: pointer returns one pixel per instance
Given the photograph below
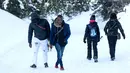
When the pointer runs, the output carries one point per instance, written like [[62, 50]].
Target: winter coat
[[88, 32], [41, 29], [66, 33], [112, 26]]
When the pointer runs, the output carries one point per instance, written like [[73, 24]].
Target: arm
[[106, 28], [86, 34], [121, 30], [98, 33], [48, 29], [68, 32], [30, 34], [52, 34]]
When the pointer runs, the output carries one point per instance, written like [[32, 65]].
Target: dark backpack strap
[[115, 24], [90, 27], [59, 31]]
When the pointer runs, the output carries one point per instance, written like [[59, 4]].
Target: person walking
[[60, 33], [92, 34], [111, 31], [41, 29]]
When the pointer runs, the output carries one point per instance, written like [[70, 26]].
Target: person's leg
[[45, 47], [112, 43], [95, 51], [36, 49], [57, 46], [114, 47], [61, 55], [89, 52]]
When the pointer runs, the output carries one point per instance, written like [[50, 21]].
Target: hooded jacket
[[92, 24], [66, 33], [112, 26], [40, 27]]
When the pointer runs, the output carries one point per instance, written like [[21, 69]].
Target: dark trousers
[[112, 45], [60, 51], [92, 43]]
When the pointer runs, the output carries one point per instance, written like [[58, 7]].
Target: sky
[[16, 56]]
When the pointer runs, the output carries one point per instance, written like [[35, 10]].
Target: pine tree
[[14, 7], [106, 7], [69, 8], [1, 4]]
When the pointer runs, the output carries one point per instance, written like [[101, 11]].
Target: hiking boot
[[56, 66], [113, 58], [46, 65], [33, 66], [61, 68], [88, 58], [95, 60]]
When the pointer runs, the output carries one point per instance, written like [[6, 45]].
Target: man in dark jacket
[[60, 32], [111, 30], [92, 34], [41, 29]]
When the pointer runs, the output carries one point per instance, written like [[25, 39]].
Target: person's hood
[[57, 25], [35, 15]]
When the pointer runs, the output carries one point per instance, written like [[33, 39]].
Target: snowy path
[[19, 59]]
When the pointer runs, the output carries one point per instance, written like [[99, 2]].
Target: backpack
[[93, 32]]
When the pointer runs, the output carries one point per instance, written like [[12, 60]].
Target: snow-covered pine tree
[[13, 7], [1, 4], [106, 7]]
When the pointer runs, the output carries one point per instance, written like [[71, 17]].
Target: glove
[[50, 46], [84, 41], [30, 45], [106, 33], [98, 40], [123, 36]]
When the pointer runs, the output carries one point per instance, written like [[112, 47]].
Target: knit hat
[[113, 16], [35, 15], [92, 17]]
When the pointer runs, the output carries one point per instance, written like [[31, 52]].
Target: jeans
[[43, 44], [60, 51]]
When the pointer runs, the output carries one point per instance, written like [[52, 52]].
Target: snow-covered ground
[[12, 31], [16, 56]]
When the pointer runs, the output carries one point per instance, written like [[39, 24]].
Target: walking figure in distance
[[92, 34]]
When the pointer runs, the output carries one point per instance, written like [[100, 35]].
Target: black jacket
[[112, 26], [87, 32], [41, 29]]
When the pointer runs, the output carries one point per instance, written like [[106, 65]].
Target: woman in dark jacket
[[111, 30], [92, 34], [60, 32]]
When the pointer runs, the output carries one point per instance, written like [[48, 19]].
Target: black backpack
[[93, 31]]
